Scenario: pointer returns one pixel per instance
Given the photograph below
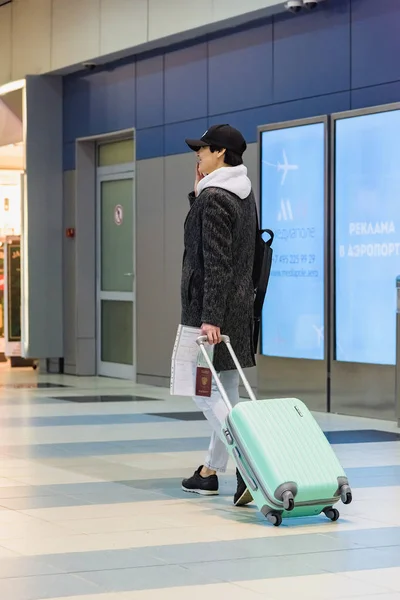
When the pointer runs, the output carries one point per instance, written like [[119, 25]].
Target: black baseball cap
[[221, 136]]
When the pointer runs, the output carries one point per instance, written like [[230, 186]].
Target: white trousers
[[215, 411]]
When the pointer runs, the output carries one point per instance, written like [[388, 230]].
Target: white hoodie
[[232, 179]]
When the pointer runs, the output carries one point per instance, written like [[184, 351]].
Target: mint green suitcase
[[283, 455]]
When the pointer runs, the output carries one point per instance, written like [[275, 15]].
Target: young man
[[217, 288]]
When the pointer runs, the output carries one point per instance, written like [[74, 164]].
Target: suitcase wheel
[[288, 501], [346, 495], [274, 518], [349, 498], [332, 514]]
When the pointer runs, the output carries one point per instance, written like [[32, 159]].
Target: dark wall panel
[[375, 31], [309, 107], [240, 70], [312, 52], [112, 99], [68, 156], [150, 92], [376, 95], [150, 143], [246, 121], [176, 134], [249, 120], [186, 84], [100, 102], [76, 107]]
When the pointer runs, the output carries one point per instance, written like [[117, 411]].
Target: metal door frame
[[106, 369], [354, 388], [296, 375]]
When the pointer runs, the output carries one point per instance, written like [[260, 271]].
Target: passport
[[203, 381]]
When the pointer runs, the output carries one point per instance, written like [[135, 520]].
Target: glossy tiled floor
[[91, 507]]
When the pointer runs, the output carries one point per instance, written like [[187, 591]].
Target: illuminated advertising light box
[[292, 192], [367, 236]]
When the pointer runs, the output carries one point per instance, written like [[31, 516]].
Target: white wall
[[40, 36]]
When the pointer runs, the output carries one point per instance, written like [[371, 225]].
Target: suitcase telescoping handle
[[225, 339]]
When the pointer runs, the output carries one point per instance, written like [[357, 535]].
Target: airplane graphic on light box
[[285, 167], [320, 334]]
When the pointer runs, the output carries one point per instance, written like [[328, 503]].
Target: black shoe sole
[[244, 499], [201, 492]]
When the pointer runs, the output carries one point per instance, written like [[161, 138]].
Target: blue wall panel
[[112, 99], [176, 133], [68, 156], [100, 102], [150, 92], [376, 95], [76, 110], [149, 143], [186, 84], [247, 121], [375, 42], [312, 52], [240, 70], [343, 55], [310, 107]]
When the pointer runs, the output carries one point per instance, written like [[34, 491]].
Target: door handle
[[129, 274]]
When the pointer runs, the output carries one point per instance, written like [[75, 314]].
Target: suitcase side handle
[[226, 340]]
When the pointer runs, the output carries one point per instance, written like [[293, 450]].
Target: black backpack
[[261, 272]]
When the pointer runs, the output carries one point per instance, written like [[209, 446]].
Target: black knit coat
[[217, 288]]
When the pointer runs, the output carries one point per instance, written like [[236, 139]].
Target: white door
[[116, 271]]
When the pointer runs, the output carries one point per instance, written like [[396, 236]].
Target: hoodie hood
[[231, 179]]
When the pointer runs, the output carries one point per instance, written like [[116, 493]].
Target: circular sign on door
[[118, 214]]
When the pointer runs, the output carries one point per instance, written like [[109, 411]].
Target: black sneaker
[[242, 496], [206, 486]]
